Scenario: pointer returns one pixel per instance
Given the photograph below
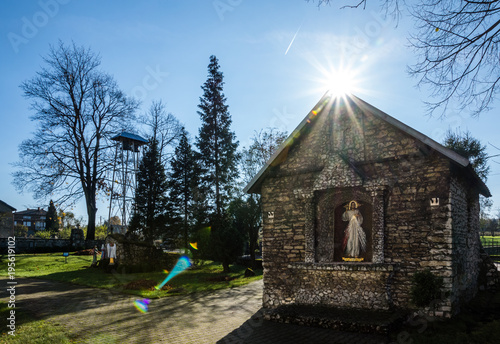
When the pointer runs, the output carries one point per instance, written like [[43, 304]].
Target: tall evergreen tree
[[471, 148], [183, 177], [51, 221], [218, 161], [151, 208], [216, 142]]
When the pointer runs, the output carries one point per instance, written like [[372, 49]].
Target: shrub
[[426, 287], [43, 234], [65, 233], [21, 231]]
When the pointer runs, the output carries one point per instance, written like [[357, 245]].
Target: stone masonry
[[419, 204]]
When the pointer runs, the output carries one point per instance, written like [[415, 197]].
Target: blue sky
[[276, 57]]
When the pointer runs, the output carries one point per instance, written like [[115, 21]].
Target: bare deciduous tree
[[457, 42], [457, 45], [164, 128], [248, 210], [77, 109], [264, 144]]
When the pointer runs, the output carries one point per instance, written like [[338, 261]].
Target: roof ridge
[[329, 99]]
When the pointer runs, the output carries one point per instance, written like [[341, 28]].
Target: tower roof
[[126, 136]]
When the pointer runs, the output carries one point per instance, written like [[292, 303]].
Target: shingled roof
[[39, 211], [5, 208], [325, 104]]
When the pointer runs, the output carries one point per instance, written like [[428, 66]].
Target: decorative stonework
[[417, 210]]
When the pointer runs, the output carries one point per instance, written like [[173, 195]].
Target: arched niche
[[330, 227]]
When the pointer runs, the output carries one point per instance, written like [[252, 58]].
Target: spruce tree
[[183, 177], [216, 142], [218, 161], [51, 221], [151, 208]]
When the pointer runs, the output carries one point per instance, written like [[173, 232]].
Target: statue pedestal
[[349, 259]]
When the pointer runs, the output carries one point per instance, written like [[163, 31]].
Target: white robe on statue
[[111, 251], [355, 237]]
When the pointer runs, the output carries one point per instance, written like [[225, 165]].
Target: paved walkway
[[225, 316]]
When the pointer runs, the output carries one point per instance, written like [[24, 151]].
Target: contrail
[[293, 39]]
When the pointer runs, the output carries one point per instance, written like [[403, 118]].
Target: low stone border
[[359, 321]]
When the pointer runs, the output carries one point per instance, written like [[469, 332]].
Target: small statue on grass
[[94, 259]]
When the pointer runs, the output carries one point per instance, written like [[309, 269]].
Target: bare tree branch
[[77, 109], [457, 44], [163, 127]]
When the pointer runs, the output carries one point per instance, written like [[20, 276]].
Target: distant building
[[6, 220], [34, 219]]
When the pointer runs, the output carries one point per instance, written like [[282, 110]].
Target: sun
[[340, 81], [336, 75]]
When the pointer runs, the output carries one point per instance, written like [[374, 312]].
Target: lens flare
[[194, 245], [182, 264], [142, 305], [341, 81]]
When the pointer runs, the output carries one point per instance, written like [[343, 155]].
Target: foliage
[[488, 225], [101, 232], [470, 148], [43, 234], [151, 203], [488, 240], [218, 161], [226, 242], [183, 180], [426, 287], [247, 217], [77, 109], [52, 221], [202, 237], [247, 211], [216, 142], [68, 219], [20, 231], [64, 233]]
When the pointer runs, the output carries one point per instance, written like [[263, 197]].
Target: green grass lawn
[[490, 240], [33, 331], [205, 276]]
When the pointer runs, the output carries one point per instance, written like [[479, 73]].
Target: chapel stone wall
[[398, 175], [465, 241]]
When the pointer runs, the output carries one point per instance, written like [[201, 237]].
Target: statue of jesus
[[354, 235]]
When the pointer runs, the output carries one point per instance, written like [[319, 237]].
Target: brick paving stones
[[224, 316]]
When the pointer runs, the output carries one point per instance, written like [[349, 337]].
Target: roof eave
[[254, 185]]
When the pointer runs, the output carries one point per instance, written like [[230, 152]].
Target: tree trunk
[[91, 211], [225, 266], [252, 248]]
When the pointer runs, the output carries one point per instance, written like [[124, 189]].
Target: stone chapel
[[355, 202]]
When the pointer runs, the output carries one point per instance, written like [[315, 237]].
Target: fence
[[491, 244], [37, 245]]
